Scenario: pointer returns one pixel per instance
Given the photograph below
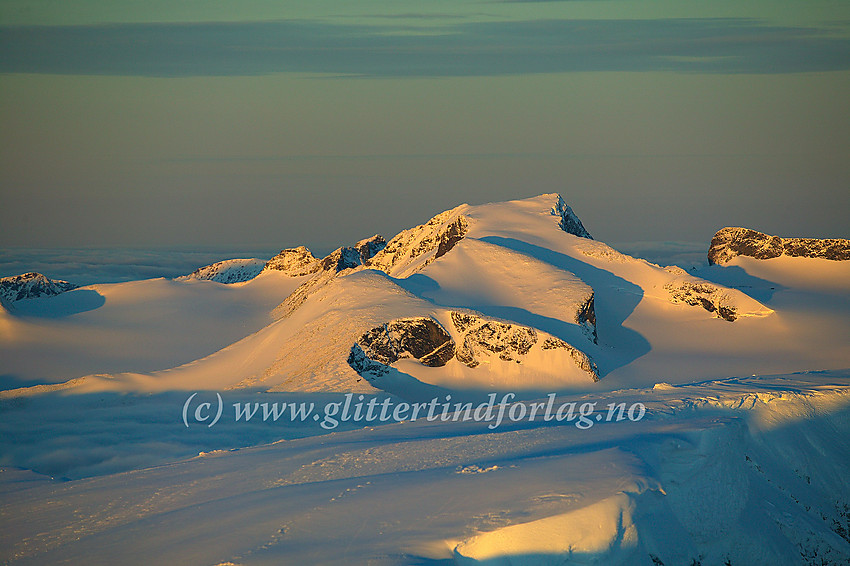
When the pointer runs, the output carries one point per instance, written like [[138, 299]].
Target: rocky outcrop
[[228, 271], [731, 242], [482, 339], [413, 249], [703, 294], [586, 318], [569, 222], [419, 338], [295, 262], [30, 286], [474, 341], [509, 341]]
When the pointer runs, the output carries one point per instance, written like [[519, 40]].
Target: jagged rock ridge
[[569, 222], [423, 244], [730, 242], [31, 285]]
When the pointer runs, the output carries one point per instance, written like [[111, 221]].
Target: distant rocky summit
[[30, 286], [228, 271], [294, 262], [731, 242]]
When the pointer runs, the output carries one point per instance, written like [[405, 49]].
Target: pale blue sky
[[280, 123]]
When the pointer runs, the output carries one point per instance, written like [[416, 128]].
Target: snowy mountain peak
[[31, 285], [730, 242], [227, 271], [294, 262], [569, 222], [413, 249]]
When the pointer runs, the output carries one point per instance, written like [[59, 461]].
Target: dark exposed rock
[[451, 236], [586, 317], [31, 285], [702, 294], [340, 259], [419, 338], [569, 222], [731, 242], [369, 247], [464, 321]]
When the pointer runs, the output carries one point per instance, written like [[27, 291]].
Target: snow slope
[[729, 471], [140, 325]]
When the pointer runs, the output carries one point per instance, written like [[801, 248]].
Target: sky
[[268, 124]]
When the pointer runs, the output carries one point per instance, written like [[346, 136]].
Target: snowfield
[[739, 454]]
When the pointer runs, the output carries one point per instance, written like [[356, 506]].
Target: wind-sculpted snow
[[730, 242], [227, 271], [30, 286]]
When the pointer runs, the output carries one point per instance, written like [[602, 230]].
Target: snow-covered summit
[[294, 262], [228, 271], [31, 285]]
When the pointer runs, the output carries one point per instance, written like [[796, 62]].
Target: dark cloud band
[[471, 49]]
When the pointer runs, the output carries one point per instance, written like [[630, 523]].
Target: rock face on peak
[[30, 286], [569, 222], [228, 271], [341, 259], [413, 249], [369, 247], [295, 262], [730, 242]]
